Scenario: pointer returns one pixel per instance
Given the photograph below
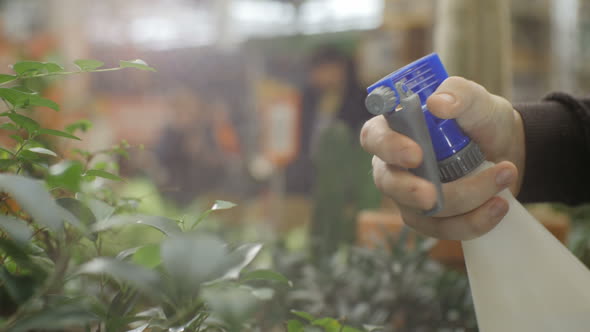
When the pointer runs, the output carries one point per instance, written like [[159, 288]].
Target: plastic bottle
[[522, 278]]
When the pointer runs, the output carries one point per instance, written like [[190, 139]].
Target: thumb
[[468, 102]]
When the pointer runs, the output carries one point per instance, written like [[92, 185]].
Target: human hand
[[471, 205]]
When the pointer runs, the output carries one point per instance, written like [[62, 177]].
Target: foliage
[[343, 187], [57, 215], [399, 289]]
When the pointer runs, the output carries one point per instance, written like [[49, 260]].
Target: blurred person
[[332, 93], [541, 151], [187, 150]]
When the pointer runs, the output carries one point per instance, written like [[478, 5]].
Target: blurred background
[[259, 102]]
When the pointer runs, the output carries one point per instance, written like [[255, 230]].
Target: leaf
[[148, 256], [233, 305], [88, 64], [222, 205], [7, 151], [100, 209], [328, 324], [240, 258], [137, 276], [192, 259], [294, 325], [28, 67], [103, 174], [8, 126], [164, 225], [66, 174], [25, 122], [78, 209], [19, 287], [6, 163], [82, 125], [35, 100], [43, 151], [52, 67], [60, 317], [46, 131], [32, 196], [17, 138], [137, 63], [6, 78], [264, 294], [16, 229], [14, 97], [302, 314], [267, 275], [22, 258]]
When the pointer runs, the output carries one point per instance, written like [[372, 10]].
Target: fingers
[[404, 187], [471, 192], [463, 227], [467, 101], [392, 147]]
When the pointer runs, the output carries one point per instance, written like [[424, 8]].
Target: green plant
[[343, 186], [57, 273], [399, 289]]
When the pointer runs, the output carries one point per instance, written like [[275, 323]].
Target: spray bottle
[[521, 277]]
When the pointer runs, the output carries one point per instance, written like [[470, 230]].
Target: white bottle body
[[523, 279]]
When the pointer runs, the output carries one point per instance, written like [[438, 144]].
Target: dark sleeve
[[557, 143]]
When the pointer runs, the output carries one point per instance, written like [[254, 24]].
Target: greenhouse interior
[[294, 165]]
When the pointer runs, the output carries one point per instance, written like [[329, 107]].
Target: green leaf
[[16, 229], [17, 138], [328, 324], [66, 174], [28, 67], [137, 276], [88, 64], [45, 131], [164, 225], [32, 196], [6, 78], [7, 151], [6, 163], [43, 151], [302, 314], [222, 205], [192, 259], [82, 125], [233, 305], [22, 257], [294, 325], [78, 209], [19, 287], [60, 317], [103, 174], [239, 259], [8, 126], [25, 122], [14, 97], [267, 275], [148, 256], [100, 209], [137, 63], [35, 100], [52, 67]]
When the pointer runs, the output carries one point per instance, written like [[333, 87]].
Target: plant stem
[[61, 73]]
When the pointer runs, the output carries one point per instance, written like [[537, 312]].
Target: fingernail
[[505, 177], [498, 209], [447, 97]]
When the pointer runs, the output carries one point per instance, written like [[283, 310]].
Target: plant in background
[[343, 187], [399, 289], [56, 273]]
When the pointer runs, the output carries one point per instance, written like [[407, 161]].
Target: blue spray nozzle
[[423, 77]]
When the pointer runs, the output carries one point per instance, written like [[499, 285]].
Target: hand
[[471, 205]]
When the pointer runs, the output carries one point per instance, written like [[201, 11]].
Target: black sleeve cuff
[[557, 147]]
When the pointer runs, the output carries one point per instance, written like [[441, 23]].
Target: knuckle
[[365, 134]]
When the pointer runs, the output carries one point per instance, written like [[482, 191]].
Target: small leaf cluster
[[57, 214]]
